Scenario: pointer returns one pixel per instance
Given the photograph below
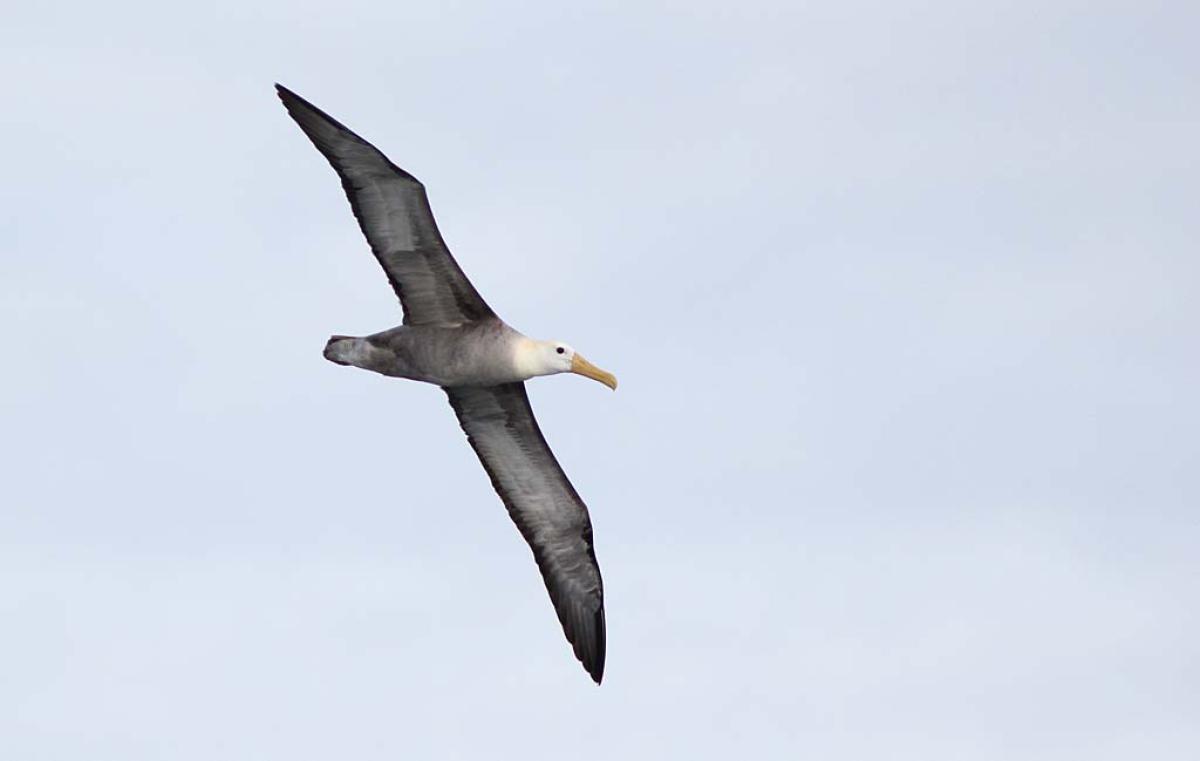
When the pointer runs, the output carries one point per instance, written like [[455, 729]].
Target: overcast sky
[[903, 300]]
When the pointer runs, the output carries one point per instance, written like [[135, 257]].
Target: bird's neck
[[527, 356]]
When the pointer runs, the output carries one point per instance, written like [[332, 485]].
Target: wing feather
[[548, 512], [393, 211]]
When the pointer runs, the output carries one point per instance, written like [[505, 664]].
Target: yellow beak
[[581, 366]]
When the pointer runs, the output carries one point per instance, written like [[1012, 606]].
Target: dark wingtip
[[595, 668], [593, 661], [291, 101], [310, 119], [300, 108]]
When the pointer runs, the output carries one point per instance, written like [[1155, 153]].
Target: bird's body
[[480, 353], [452, 338]]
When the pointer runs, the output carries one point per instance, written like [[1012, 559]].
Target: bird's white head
[[552, 357]]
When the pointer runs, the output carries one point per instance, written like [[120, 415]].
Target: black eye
[[560, 350]]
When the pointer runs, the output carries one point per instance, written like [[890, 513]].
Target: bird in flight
[[452, 338]]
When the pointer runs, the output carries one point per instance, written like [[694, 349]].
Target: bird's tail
[[338, 348]]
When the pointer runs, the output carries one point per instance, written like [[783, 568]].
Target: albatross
[[451, 337]]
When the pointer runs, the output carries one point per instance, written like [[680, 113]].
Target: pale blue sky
[[903, 300]]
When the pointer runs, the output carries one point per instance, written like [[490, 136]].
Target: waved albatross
[[450, 337]]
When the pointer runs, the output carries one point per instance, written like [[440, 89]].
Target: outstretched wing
[[393, 211], [500, 426]]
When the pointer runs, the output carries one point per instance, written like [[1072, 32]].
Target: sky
[[905, 460]]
